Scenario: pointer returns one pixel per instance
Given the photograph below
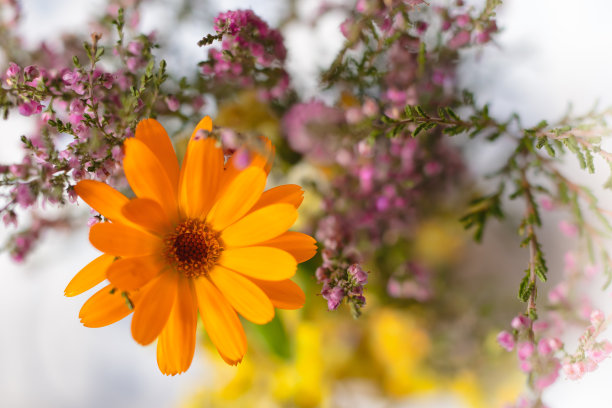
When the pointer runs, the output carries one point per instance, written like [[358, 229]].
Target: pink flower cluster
[[536, 358], [590, 351], [252, 54], [341, 279]]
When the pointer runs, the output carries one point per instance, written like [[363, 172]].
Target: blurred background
[[549, 54]]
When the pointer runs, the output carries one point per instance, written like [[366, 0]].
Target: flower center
[[193, 248]]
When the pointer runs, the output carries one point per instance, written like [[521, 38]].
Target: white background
[[550, 53]]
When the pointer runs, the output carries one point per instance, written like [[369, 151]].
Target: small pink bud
[[597, 317], [520, 322], [525, 350], [506, 340]]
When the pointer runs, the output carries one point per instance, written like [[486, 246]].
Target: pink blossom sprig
[[342, 279], [252, 54]]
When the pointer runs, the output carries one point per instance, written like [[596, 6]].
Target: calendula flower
[[204, 237]]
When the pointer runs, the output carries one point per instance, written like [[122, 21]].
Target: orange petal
[[153, 309], [301, 246], [148, 214], [261, 225], [153, 134], [90, 276], [288, 193], [176, 343], [119, 240], [148, 178], [238, 198], [133, 273], [204, 124], [102, 198], [284, 294], [260, 262], [244, 296], [201, 173], [220, 321], [105, 307]]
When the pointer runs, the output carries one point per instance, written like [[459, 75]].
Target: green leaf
[[452, 114], [421, 112], [275, 336], [525, 288]]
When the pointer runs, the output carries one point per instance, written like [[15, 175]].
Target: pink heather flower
[[361, 6], [132, 63], [77, 107], [353, 115], [463, 20], [12, 71], [574, 371], [459, 40], [117, 153], [568, 229], [597, 317], [31, 72], [9, 218], [525, 350], [421, 27], [547, 203], [24, 196], [345, 27], [520, 322], [544, 347], [243, 159], [135, 48], [92, 221], [370, 107], [30, 108], [360, 276], [72, 195], [173, 103], [335, 298], [525, 366], [432, 168], [555, 344], [396, 96], [506, 340]]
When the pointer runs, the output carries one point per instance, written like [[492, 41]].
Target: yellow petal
[[288, 193], [244, 296], [90, 276], [261, 225], [133, 273], [119, 240], [284, 294], [104, 307], [147, 214], [176, 343], [260, 262], [301, 246], [153, 309], [220, 321], [102, 198], [148, 178], [238, 198], [202, 171], [153, 134]]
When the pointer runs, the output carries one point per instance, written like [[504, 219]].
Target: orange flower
[[203, 237]]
